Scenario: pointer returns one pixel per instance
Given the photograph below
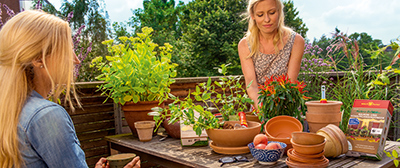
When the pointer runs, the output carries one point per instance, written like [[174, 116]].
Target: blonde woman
[[268, 48], [36, 58]]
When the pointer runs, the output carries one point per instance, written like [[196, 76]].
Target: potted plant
[[232, 100], [281, 96], [135, 75]]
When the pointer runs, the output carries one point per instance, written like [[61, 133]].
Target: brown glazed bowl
[[306, 138], [308, 149]]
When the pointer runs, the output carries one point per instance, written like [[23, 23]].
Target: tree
[[292, 20], [212, 30]]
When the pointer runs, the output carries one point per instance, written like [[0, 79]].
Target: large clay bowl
[[308, 149], [299, 158], [307, 138], [234, 137], [329, 107], [295, 164], [317, 121], [282, 127]]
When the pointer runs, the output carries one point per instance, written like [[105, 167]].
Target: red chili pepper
[[243, 120]]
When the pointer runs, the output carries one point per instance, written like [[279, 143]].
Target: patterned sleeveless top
[[267, 65]]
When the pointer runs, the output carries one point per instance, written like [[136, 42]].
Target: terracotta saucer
[[342, 137], [229, 150]]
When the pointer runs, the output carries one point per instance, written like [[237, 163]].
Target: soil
[[228, 126]]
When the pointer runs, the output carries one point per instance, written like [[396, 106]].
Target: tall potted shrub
[[137, 75]]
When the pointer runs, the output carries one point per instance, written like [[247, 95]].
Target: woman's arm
[[248, 71], [295, 57]]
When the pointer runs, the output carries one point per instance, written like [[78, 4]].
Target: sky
[[377, 18]]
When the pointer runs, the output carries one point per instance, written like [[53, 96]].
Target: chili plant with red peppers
[[281, 96]]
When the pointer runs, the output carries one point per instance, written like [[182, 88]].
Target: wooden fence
[[101, 117]]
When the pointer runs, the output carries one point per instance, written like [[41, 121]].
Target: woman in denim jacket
[[37, 58]]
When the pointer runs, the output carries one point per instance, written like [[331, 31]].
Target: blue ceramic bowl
[[267, 156]]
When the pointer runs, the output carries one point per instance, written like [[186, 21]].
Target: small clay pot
[[120, 160], [145, 130], [326, 108], [307, 138], [317, 121], [173, 130], [308, 149], [314, 156]]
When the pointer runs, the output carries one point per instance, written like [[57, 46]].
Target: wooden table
[[170, 153]]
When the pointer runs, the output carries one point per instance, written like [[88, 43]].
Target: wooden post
[[118, 118], [396, 111]]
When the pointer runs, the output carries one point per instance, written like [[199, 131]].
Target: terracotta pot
[[252, 117], [145, 130], [307, 138], [299, 158], [173, 130], [318, 120], [138, 112], [308, 149], [234, 137], [318, 155], [342, 137], [282, 126], [329, 107], [332, 147]]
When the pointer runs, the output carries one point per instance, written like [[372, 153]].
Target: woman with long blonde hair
[[37, 58], [269, 47]]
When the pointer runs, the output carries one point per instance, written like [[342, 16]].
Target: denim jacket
[[47, 135]]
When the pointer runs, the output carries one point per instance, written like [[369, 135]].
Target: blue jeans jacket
[[47, 135]]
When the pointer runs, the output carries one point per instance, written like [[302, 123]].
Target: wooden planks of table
[[170, 153]]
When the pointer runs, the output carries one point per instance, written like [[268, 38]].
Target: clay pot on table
[[138, 112], [280, 128], [336, 142], [145, 130], [120, 160], [319, 115], [173, 130]]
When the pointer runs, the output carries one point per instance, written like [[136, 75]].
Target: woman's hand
[[102, 163], [135, 163]]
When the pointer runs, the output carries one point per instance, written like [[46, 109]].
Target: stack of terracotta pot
[[336, 142], [307, 151], [319, 115]]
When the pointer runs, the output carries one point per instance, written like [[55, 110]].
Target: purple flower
[[313, 51], [9, 11], [311, 64], [315, 61], [324, 64], [39, 5], [324, 82], [331, 78], [305, 65], [319, 52], [328, 48], [302, 68], [312, 54], [320, 49], [70, 16], [320, 62]]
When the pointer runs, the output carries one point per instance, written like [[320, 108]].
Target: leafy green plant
[[394, 155], [135, 72], [232, 100], [281, 96]]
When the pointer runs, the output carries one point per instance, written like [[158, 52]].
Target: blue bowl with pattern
[[267, 156]]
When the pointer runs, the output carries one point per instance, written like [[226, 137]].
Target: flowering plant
[[281, 96]]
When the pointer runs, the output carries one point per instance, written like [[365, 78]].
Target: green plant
[[281, 96], [232, 100], [394, 155], [135, 72]]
